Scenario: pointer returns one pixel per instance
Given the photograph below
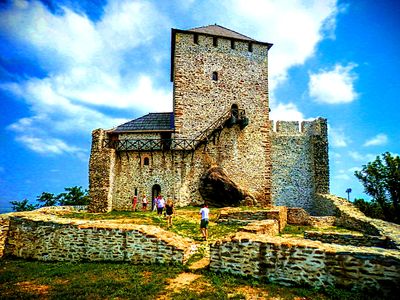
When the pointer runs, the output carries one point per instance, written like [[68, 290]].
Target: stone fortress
[[218, 145], [219, 128]]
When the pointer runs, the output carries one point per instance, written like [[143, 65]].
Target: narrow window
[[135, 191], [215, 76], [232, 44], [215, 41], [250, 47], [196, 38], [146, 161]]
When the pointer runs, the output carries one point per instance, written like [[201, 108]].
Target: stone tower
[[218, 135], [213, 69]]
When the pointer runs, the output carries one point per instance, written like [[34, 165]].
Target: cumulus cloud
[[333, 86], [86, 66], [357, 156], [378, 140], [295, 27], [52, 146], [286, 112], [337, 137]]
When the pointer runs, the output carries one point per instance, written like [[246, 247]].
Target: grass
[[20, 279], [185, 221]]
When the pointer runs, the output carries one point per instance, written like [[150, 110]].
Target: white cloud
[[49, 146], [342, 175], [86, 64], [294, 26], [333, 86], [286, 112], [337, 137], [364, 158], [378, 140]]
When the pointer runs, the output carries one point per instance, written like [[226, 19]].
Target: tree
[[47, 199], [75, 196], [22, 205], [371, 209], [381, 180]]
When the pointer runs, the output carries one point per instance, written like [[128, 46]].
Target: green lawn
[[20, 279]]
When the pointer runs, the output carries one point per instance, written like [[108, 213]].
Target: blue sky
[[68, 67]]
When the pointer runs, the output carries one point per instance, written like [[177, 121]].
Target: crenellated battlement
[[314, 127]]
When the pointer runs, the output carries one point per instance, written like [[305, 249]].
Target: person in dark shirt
[[169, 211]]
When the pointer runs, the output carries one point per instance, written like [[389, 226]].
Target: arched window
[[196, 38], [215, 76], [146, 161]]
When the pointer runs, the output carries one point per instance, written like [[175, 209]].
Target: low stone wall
[[298, 216], [237, 215], [300, 262], [348, 216], [268, 227], [51, 238], [359, 240]]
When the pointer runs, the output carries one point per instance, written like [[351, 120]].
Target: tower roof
[[219, 30], [150, 122]]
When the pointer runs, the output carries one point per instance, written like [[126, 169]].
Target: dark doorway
[[155, 191]]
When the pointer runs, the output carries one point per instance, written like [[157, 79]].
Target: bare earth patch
[[31, 287]]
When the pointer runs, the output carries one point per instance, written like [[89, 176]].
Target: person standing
[[144, 202], [169, 211], [204, 212], [134, 202], [160, 205]]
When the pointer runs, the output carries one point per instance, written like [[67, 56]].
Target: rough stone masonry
[[220, 118]]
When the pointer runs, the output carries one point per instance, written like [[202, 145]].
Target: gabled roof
[[219, 30], [150, 122]]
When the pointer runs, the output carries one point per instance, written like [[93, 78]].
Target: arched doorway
[[155, 191]]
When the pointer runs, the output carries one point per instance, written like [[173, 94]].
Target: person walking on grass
[[169, 211], [204, 212]]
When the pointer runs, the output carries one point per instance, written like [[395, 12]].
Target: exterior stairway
[[227, 119]]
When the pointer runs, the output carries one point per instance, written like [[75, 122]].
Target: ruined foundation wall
[[60, 239], [311, 263], [300, 166]]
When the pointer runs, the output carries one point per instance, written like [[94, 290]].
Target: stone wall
[[359, 240], [237, 215], [101, 173], [300, 166], [311, 263], [50, 238], [348, 216]]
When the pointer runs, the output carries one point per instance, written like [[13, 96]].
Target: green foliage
[[23, 205], [371, 208], [73, 196], [381, 180], [47, 199]]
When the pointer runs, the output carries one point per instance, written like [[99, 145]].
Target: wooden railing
[[189, 144]]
